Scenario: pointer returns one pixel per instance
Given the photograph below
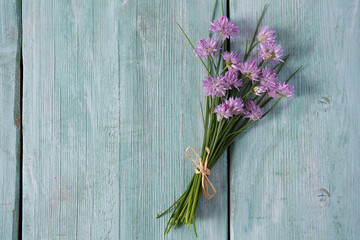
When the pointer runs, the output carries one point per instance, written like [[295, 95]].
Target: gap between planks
[[20, 120]]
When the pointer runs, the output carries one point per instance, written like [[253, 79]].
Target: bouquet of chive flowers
[[239, 93]]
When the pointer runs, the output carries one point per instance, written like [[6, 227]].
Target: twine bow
[[204, 171]]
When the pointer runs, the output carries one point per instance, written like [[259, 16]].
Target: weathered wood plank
[[160, 118], [71, 120], [10, 120], [110, 104], [295, 175]]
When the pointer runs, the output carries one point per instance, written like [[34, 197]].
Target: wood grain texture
[[160, 117], [295, 175], [109, 110], [10, 121], [71, 120]]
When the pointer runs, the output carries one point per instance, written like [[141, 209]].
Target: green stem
[[218, 63], [293, 74], [283, 63], [272, 107], [252, 87], [262, 97], [224, 70], [197, 186], [222, 8], [255, 33], [213, 62], [210, 125], [193, 47], [250, 49]]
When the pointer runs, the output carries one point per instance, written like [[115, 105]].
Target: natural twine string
[[204, 171]]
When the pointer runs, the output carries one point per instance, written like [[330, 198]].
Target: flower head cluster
[[268, 81], [222, 111], [232, 61], [258, 90], [215, 86], [224, 27], [231, 107], [207, 47], [268, 49], [270, 52], [218, 86], [232, 80], [252, 111], [266, 35], [282, 90], [268, 78], [250, 70], [236, 105]]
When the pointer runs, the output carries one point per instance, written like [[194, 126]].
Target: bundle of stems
[[220, 134]]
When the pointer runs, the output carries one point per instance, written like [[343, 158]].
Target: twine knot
[[204, 171]]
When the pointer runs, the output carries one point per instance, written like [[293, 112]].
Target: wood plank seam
[[228, 153], [19, 120]]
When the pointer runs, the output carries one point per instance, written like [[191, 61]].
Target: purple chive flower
[[232, 61], [258, 90], [270, 52], [215, 86], [282, 90], [223, 111], [268, 79], [207, 47], [266, 35], [250, 70], [224, 27], [252, 111], [235, 105], [232, 80]]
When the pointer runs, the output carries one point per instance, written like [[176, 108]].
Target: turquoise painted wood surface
[[109, 110], [296, 174], [10, 119], [71, 121]]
